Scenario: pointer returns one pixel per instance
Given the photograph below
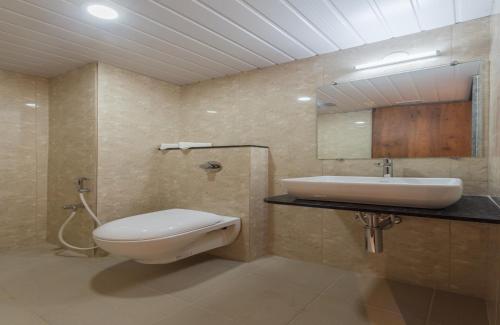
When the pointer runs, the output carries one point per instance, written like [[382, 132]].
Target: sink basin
[[433, 193]]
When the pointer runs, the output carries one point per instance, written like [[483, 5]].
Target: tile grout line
[[320, 294], [431, 305]]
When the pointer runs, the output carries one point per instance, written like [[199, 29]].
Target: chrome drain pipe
[[374, 224]]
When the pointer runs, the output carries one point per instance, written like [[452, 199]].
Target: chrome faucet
[[386, 165]]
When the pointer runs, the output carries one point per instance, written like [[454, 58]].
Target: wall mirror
[[431, 112]]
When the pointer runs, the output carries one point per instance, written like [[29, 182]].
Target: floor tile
[[194, 316], [408, 300], [260, 300], [38, 287], [89, 312], [312, 275], [14, 314], [453, 309], [171, 278], [327, 310]]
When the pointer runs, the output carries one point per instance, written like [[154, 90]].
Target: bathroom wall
[[23, 159], [237, 190], [494, 170], [72, 151], [261, 107], [494, 157], [135, 114]]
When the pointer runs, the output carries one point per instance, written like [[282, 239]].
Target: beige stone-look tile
[[417, 251], [474, 169], [296, 232], [471, 40], [312, 275], [13, 314], [194, 315], [256, 299], [408, 300], [72, 149], [359, 167], [476, 188], [329, 311], [259, 211], [450, 308], [63, 289], [203, 287], [423, 167], [189, 279], [134, 305], [469, 257], [23, 159]]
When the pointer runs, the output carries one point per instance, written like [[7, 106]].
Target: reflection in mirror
[[355, 130], [432, 112]]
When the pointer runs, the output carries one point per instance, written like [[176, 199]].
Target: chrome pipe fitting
[[374, 224], [211, 166], [73, 207]]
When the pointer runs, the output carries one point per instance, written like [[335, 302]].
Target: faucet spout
[[386, 165]]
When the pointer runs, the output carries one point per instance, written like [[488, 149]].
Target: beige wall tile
[[493, 275], [237, 190], [23, 159], [135, 114], [72, 151]]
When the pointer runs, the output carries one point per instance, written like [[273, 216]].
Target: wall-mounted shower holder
[[80, 185]]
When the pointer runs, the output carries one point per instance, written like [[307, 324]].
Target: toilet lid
[[157, 224]]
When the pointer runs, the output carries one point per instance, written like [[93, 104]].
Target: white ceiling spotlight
[[102, 12], [304, 98], [396, 58]]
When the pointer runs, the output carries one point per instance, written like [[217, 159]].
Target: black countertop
[[468, 208]]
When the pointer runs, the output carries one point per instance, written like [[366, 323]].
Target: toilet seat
[[154, 225], [166, 236]]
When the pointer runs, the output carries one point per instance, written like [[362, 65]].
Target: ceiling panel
[[368, 23], [330, 21], [209, 18], [184, 41], [399, 16], [471, 9], [434, 14], [292, 20], [248, 18]]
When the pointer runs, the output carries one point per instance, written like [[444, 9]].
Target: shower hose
[[68, 220]]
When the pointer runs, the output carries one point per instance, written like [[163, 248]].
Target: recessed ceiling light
[[304, 98], [212, 112], [360, 122], [103, 12], [395, 58], [32, 105]]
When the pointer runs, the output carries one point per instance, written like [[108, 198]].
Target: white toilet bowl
[[166, 236]]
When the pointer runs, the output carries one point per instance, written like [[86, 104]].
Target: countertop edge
[[463, 210]]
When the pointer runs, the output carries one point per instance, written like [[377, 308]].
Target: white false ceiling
[[183, 41], [440, 84]]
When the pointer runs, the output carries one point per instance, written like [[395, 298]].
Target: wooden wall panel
[[426, 130]]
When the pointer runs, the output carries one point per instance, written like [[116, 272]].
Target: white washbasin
[[433, 193]]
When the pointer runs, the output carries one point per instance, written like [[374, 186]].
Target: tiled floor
[[38, 287]]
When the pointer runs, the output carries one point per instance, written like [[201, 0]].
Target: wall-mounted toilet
[[166, 236]]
